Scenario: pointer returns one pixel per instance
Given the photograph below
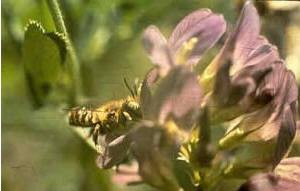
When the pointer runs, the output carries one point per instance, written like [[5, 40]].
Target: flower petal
[[280, 85], [287, 104], [157, 49], [114, 152], [246, 33], [285, 177], [146, 95], [127, 174], [178, 96], [238, 46], [203, 25], [286, 135], [289, 168], [154, 151], [222, 85]]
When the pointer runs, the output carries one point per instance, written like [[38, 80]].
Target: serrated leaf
[[43, 56]]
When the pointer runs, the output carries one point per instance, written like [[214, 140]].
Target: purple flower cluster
[[246, 90]]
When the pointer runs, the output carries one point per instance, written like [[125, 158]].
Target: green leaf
[[185, 175], [43, 56]]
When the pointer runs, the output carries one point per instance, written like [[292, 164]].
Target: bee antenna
[[70, 109], [135, 87], [128, 87], [66, 109]]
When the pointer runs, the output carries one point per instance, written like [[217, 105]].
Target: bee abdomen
[[82, 117]]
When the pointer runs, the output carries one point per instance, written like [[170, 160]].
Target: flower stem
[[73, 65]]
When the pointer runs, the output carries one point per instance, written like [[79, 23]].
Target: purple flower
[[247, 89], [174, 105], [285, 177], [253, 83], [246, 81], [200, 29]]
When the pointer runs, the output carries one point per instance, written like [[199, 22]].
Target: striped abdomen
[[84, 117]]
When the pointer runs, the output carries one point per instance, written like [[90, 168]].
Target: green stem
[[204, 154], [73, 66]]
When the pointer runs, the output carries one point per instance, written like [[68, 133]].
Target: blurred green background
[[39, 150]]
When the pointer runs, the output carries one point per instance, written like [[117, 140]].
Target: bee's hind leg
[[94, 133]]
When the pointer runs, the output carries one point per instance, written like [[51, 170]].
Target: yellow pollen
[[185, 51]]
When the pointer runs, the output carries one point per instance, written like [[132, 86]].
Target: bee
[[113, 116]]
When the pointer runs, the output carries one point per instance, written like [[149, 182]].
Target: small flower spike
[[193, 36]]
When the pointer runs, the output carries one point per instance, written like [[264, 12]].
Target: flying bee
[[113, 116]]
